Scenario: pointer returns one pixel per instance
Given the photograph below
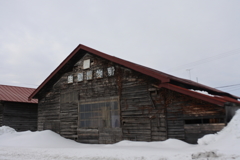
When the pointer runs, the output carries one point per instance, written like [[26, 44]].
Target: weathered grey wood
[[1, 113], [20, 116], [147, 112], [195, 131], [175, 121]]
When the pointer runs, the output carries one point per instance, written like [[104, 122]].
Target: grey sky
[[36, 36]]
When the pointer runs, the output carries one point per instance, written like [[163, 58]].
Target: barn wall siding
[[195, 131], [20, 116], [48, 112], [201, 118], [61, 104], [146, 113], [1, 114], [141, 119], [189, 118]]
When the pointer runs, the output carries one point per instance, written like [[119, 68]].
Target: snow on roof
[[222, 99], [203, 92], [16, 94], [216, 99]]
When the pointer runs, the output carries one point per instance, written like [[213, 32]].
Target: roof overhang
[[218, 100], [164, 78]]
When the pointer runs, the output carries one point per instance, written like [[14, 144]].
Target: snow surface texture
[[232, 130], [6, 129], [47, 145]]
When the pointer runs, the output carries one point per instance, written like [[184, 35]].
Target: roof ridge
[[161, 76], [16, 86]]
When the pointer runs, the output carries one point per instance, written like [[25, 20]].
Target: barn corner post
[[230, 110], [166, 103], [78, 111], [1, 113], [165, 99], [119, 78], [226, 114]]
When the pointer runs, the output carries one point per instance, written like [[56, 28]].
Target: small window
[[86, 64], [204, 121], [99, 73], [89, 75], [70, 79], [110, 71], [80, 77]]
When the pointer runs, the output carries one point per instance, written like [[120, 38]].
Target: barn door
[[99, 121]]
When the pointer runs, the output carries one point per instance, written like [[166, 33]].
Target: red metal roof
[[16, 94], [163, 77]]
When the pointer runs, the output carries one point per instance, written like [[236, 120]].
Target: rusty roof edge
[[163, 77], [28, 102], [103, 55], [201, 87], [192, 93], [54, 72], [16, 86], [127, 64]]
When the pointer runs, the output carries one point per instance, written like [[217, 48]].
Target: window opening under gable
[[204, 121], [101, 114]]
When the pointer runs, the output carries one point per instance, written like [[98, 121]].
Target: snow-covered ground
[[47, 145]]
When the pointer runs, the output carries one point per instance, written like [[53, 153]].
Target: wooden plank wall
[[110, 135], [68, 120], [142, 114], [210, 119], [88, 136], [61, 115], [195, 131], [175, 121], [141, 119], [1, 114], [92, 91], [49, 112], [147, 113], [182, 108], [20, 116]]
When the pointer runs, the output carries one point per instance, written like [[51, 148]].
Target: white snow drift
[[51, 146]]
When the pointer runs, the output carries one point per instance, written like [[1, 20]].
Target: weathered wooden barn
[[15, 109], [93, 97]]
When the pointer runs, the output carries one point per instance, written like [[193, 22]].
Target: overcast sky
[[192, 39]]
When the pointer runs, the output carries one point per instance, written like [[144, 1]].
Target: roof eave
[[32, 96], [192, 94]]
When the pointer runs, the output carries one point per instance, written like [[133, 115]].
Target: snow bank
[[49, 145], [231, 130], [225, 142], [173, 144], [46, 144], [47, 138], [167, 143], [6, 129]]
